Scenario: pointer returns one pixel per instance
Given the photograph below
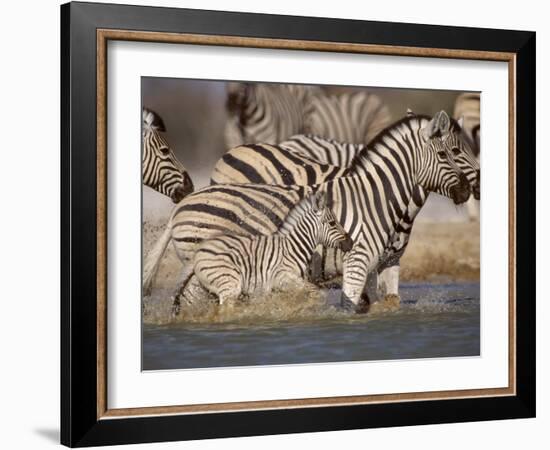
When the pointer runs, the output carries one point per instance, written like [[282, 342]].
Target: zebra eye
[[456, 151], [164, 150], [442, 154]]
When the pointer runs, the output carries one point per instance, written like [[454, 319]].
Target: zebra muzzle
[[461, 191], [183, 190], [346, 245]]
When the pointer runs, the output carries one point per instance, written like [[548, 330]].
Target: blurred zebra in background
[[467, 105], [262, 112], [160, 168], [272, 113], [229, 265]]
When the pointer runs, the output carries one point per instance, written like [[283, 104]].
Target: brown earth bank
[[437, 252]]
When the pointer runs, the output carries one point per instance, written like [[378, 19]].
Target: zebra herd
[[374, 187]]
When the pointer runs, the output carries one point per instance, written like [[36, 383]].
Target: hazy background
[[194, 114]]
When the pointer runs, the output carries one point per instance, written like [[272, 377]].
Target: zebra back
[[350, 117], [277, 164]]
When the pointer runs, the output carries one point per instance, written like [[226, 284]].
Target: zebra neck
[[300, 242], [399, 144]]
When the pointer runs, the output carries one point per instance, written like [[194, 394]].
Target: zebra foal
[[229, 265]]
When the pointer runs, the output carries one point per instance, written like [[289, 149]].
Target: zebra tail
[[152, 261]]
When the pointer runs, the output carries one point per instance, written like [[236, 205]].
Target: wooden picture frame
[[85, 416]]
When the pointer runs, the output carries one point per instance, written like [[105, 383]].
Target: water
[[440, 320]]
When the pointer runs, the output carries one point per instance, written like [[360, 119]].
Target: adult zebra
[[261, 112], [269, 164], [414, 155], [160, 168], [467, 105]]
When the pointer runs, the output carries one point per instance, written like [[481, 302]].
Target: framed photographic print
[[276, 224]]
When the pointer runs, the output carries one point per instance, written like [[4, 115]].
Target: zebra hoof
[[361, 308], [390, 303]]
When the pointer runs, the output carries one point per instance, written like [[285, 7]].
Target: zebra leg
[[356, 269], [388, 283], [229, 295], [188, 294], [370, 291], [388, 290], [183, 279]]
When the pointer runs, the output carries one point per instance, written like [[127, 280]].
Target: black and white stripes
[[161, 170], [229, 265], [272, 113], [414, 156]]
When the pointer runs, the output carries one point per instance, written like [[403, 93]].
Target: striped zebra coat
[[230, 265], [269, 164], [414, 154], [160, 168], [467, 106], [260, 112], [281, 164]]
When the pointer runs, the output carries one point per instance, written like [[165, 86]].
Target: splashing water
[[289, 328]]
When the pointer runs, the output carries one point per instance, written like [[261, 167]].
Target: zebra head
[[464, 153], [448, 167], [161, 170], [330, 233]]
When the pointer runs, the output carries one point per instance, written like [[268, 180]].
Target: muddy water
[[435, 320]]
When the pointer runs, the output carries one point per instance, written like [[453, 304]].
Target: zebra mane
[[379, 138], [294, 216], [152, 121]]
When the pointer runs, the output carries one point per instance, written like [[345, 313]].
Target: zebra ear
[[444, 123], [438, 126], [152, 120], [410, 113], [460, 122]]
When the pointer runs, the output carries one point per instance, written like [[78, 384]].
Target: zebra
[[355, 117], [230, 265], [467, 105], [279, 164], [413, 156], [262, 112], [160, 168], [272, 165]]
